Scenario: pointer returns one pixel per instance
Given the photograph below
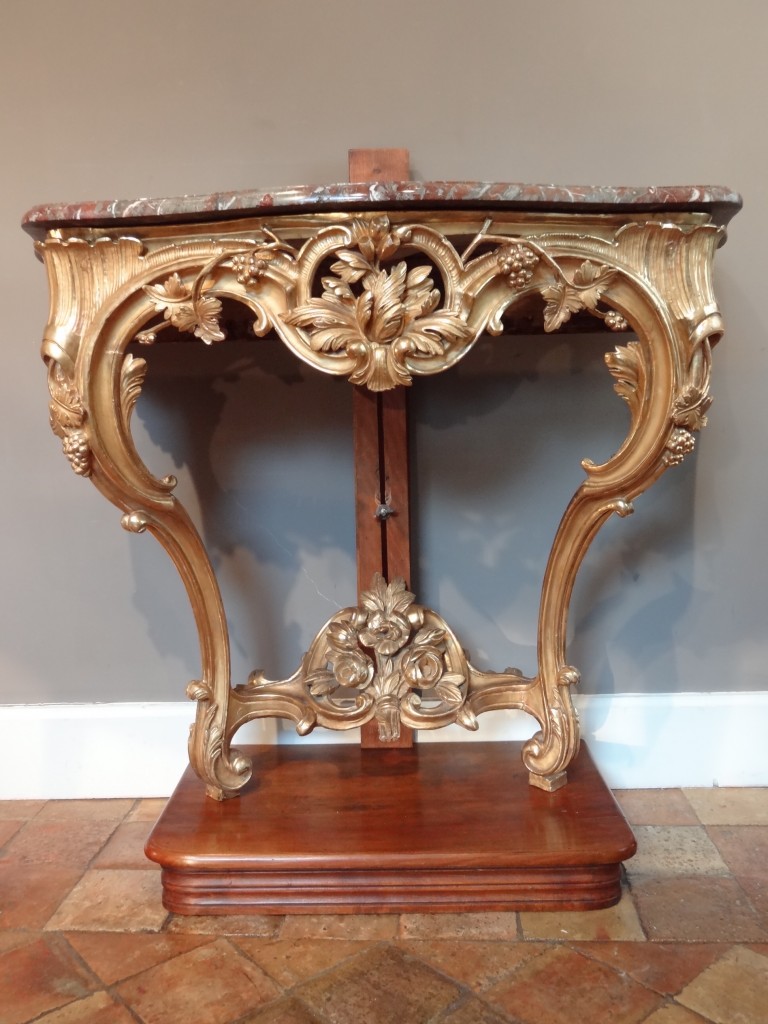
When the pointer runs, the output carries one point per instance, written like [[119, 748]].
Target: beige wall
[[102, 99]]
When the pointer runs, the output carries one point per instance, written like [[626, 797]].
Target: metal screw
[[383, 512]]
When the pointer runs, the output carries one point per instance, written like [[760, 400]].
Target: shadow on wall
[[499, 444], [262, 448]]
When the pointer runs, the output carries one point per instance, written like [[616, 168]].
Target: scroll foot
[[549, 783]]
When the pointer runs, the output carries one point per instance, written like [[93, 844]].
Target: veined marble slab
[[721, 202]]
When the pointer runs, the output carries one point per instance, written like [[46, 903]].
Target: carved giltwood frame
[[381, 298]]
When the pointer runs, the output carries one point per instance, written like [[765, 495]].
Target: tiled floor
[[84, 938]]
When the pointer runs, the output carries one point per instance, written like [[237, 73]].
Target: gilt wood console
[[382, 283]]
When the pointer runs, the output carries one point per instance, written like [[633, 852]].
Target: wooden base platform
[[439, 827]]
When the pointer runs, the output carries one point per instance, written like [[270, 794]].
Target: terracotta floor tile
[[562, 986], [340, 926], [757, 893], [734, 990], [125, 848], [473, 1011], [10, 939], [675, 1014], [744, 848], [665, 967], [8, 829], [656, 807], [499, 925], [285, 1011], [266, 926], [290, 961], [619, 922], [30, 893], [230, 987], [476, 964], [38, 976], [99, 1008], [112, 901], [730, 806], [675, 850], [147, 810], [114, 956], [63, 843], [21, 810], [696, 910], [85, 810], [383, 985]]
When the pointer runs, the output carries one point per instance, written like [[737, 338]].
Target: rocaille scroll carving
[[380, 300], [380, 317]]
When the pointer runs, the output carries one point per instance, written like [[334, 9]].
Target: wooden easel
[[380, 427]]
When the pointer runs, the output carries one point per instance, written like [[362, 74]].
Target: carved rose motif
[[422, 666], [386, 634], [352, 669], [387, 629], [384, 624]]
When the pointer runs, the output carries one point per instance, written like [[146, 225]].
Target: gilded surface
[[387, 659], [379, 319], [382, 298]]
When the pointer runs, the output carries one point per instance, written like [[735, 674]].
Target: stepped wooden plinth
[[439, 827]]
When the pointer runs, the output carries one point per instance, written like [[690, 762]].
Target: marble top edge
[[223, 205]]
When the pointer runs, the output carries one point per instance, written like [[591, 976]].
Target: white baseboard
[[68, 751]]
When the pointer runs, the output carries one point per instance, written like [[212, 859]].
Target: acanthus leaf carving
[[380, 318], [627, 365], [132, 374]]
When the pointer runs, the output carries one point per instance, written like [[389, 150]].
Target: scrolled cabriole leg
[[223, 769], [99, 300], [551, 750], [658, 280]]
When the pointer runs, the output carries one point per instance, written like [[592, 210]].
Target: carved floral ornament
[[382, 652], [380, 317], [398, 300]]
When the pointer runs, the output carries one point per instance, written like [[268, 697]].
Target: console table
[[382, 283]]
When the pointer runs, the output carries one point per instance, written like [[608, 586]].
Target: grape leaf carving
[[566, 297]]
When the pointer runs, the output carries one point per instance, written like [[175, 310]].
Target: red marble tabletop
[[720, 202]]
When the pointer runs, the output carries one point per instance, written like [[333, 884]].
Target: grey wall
[[107, 99]]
